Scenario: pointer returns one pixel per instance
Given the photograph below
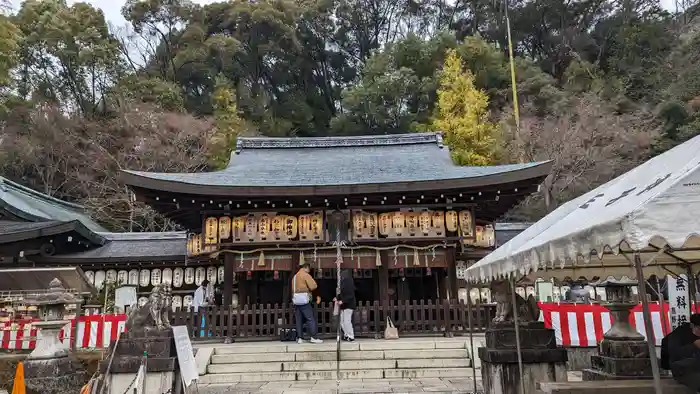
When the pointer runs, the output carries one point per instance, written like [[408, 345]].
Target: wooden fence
[[267, 321]]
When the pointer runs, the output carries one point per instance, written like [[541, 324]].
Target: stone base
[[156, 382], [542, 360], [627, 367], [505, 378], [157, 345], [620, 360], [593, 375], [533, 335], [54, 376]]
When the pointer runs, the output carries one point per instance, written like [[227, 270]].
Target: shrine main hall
[[412, 219]]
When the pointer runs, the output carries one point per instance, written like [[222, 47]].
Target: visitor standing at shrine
[[303, 285], [348, 304]]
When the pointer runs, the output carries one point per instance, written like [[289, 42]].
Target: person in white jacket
[[200, 300]]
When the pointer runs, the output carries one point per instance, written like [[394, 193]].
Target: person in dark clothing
[[680, 353], [348, 304]]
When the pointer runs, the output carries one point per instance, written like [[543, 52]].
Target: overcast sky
[[112, 8]]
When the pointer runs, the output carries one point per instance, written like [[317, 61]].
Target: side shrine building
[[411, 217]]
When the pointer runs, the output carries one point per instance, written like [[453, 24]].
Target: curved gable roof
[[30, 205], [337, 165]]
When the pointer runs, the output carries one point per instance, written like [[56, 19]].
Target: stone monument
[[148, 335], [542, 360], [623, 353], [51, 368]]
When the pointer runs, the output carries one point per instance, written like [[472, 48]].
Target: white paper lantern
[[134, 277], [234, 301], [168, 275], [144, 278], [99, 279], [156, 276], [211, 275], [177, 302], [220, 274], [475, 295], [530, 291], [186, 301], [111, 276], [189, 275], [90, 275], [178, 277], [486, 295], [199, 275], [122, 277]]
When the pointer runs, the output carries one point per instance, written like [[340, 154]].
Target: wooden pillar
[[254, 286], [450, 255], [229, 261], [243, 289], [383, 278], [287, 285]]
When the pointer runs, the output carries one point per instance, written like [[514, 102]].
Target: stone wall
[[8, 365]]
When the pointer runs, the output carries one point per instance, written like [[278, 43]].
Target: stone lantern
[[623, 353], [49, 369], [51, 309]]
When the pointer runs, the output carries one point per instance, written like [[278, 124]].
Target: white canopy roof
[[653, 205]]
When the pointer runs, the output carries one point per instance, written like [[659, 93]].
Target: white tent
[[653, 210]]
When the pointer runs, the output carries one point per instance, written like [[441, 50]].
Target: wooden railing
[[267, 321]]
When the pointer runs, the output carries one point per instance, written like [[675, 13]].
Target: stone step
[[345, 355], [365, 345], [332, 365], [423, 373], [370, 374]]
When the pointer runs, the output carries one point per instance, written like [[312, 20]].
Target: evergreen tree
[[462, 115], [229, 124]]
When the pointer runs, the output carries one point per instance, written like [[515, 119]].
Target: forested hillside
[[601, 85]]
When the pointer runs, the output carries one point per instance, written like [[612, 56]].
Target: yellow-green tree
[[229, 125], [462, 115]]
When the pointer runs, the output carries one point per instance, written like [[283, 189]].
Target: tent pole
[[664, 320], [691, 287], [471, 332], [517, 336], [651, 340]]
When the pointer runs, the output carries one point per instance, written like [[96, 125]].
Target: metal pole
[[664, 321], [692, 289], [651, 340], [338, 263], [513, 81], [517, 336], [471, 333]]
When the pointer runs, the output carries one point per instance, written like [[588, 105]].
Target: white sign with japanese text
[[678, 300], [185, 355]]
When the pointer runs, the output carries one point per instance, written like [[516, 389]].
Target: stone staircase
[[418, 358]]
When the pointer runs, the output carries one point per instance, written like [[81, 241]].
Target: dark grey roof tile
[[31, 205], [334, 161]]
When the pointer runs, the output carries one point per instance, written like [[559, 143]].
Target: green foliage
[[462, 114], [9, 44], [164, 94], [67, 54], [322, 67]]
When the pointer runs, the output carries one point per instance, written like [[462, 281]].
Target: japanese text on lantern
[[678, 298]]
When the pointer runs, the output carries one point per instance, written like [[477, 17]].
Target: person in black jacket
[[680, 352], [348, 304]]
